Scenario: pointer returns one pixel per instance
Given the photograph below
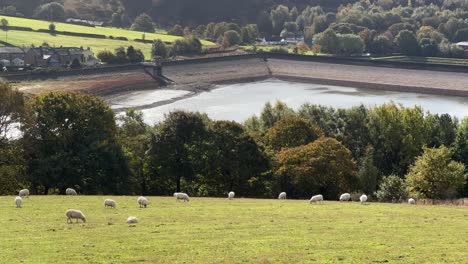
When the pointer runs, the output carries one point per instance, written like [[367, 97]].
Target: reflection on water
[[240, 101]]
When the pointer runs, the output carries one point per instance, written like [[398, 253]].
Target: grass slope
[[221, 231], [25, 38]]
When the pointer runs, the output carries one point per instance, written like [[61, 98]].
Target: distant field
[[209, 230], [25, 38]]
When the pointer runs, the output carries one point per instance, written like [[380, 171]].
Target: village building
[[12, 56], [463, 45], [58, 57]]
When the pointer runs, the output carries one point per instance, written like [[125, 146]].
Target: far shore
[[204, 76]]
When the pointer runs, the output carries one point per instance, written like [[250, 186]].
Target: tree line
[[73, 140]]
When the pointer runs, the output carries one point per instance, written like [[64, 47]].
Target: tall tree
[[143, 23], [175, 150], [70, 140]]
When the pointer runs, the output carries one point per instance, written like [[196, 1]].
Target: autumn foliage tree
[[324, 166], [292, 132]]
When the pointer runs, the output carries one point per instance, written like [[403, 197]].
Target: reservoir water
[[240, 101]]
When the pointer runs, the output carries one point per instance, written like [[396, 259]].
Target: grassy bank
[[222, 231]]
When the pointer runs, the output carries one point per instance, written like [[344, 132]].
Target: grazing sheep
[[18, 201], [70, 191], [345, 197], [411, 201], [231, 195], [182, 196], [316, 198], [75, 214], [282, 196], [363, 199], [110, 203], [142, 201], [132, 220], [24, 193]]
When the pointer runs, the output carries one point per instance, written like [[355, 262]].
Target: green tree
[[231, 38], [51, 11], [134, 137], [324, 166], [279, 16], [264, 23], [398, 135], [234, 160], [176, 151], [70, 140], [159, 49], [390, 188], [292, 132], [328, 41], [381, 45], [135, 55], [407, 43], [176, 30], [272, 114], [143, 23], [435, 175], [368, 174], [106, 56], [350, 44], [460, 145]]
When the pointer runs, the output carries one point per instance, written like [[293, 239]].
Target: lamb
[[363, 199], [75, 214], [345, 197], [231, 195], [182, 196], [110, 203], [70, 191], [282, 196], [24, 193], [316, 198], [411, 201], [142, 201], [18, 201], [132, 220]]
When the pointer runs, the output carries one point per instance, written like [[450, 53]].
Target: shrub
[[391, 187]]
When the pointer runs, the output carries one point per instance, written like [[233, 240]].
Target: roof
[[11, 50], [64, 51], [463, 43]]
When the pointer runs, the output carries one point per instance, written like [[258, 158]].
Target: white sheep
[[282, 196], [75, 214], [110, 203], [182, 196], [142, 201], [24, 193], [411, 201], [132, 220], [18, 201], [345, 197], [316, 199], [70, 191], [231, 195], [363, 199]]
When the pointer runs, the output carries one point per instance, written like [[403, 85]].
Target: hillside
[[26, 38]]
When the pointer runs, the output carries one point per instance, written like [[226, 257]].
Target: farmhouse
[[12, 56], [62, 56]]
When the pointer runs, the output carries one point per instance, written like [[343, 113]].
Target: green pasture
[[209, 230]]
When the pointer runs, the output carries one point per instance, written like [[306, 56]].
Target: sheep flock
[[143, 202]]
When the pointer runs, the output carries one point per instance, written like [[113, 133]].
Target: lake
[[240, 101]]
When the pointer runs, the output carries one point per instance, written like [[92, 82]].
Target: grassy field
[[26, 38], [209, 230], [108, 31]]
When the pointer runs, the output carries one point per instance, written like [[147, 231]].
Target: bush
[[391, 187], [106, 56], [159, 49], [187, 46]]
